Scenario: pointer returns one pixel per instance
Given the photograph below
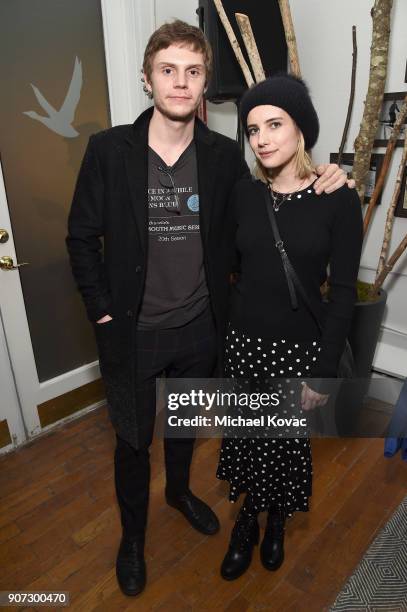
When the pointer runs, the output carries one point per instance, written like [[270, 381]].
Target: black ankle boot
[[130, 566], [272, 546], [245, 535]]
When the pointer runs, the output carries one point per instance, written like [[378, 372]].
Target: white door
[[12, 425], [18, 376], [46, 343]]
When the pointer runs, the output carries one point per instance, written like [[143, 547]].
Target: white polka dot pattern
[[273, 471]]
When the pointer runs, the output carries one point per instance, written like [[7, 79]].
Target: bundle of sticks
[[256, 73]]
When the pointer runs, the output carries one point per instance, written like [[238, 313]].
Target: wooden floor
[[59, 526]]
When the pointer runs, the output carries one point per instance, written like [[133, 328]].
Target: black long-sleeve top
[[317, 231]]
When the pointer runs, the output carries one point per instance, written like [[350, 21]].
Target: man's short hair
[[178, 33]]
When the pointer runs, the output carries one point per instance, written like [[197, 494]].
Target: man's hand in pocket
[[104, 319]]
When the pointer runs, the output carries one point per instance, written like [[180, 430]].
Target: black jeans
[[184, 352]]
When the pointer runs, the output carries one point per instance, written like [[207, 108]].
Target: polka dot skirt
[[273, 471]]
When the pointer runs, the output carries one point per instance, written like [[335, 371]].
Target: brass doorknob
[[3, 236], [7, 263]]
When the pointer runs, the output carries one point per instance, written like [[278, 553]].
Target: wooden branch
[[290, 37], [235, 45], [374, 98], [351, 96], [401, 117], [388, 267], [246, 31], [390, 213]]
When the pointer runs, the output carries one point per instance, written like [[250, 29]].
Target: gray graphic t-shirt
[[176, 290]]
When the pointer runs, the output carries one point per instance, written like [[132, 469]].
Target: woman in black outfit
[[266, 337]]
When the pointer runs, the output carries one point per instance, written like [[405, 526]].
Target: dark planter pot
[[364, 333], [363, 339]]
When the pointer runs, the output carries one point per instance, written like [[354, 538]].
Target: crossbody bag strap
[[293, 281]]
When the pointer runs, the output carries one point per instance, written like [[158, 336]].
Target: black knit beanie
[[289, 93]]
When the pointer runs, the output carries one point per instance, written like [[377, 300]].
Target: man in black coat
[[156, 293]]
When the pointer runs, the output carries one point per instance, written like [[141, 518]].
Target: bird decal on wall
[[60, 121]]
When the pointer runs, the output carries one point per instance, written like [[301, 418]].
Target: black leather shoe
[[245, 536], [197, 513], [272, 546], [131, 567]]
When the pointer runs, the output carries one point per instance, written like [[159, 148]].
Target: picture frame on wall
[[376, 162], [401, 206], [392, 103]]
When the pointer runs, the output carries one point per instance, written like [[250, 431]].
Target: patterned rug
[[379, 583]]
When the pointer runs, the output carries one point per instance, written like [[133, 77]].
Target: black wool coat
[[110, 202]]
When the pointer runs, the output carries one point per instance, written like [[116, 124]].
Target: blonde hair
[[303, 164]]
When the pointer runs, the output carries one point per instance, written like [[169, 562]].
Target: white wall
[[324, 36]]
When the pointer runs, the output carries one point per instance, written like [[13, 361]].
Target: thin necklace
[[279, 198]]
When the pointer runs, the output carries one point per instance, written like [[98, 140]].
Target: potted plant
[[372, 298], [370, 307]]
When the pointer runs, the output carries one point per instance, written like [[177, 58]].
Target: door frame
[[127, 26], [10, 409]]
